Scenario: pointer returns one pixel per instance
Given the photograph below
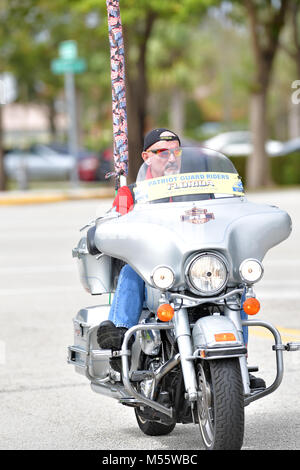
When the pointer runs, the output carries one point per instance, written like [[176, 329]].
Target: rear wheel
[[153, 428], [220, 405]]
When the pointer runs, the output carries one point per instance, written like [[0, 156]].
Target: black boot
[[110, 336]]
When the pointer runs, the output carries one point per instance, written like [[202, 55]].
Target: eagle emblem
[[197, 216]]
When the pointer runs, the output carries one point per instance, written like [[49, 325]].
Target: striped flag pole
[[119, 112]]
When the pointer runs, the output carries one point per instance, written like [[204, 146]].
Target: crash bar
[[279, 347], [125, 366]]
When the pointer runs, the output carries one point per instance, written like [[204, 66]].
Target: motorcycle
[[198, 244]]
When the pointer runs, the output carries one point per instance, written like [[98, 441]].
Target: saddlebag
[[85, 354]]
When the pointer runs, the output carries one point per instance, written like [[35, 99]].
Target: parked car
[[39, 162], [92, 166], [290, 146], [87, 162], [239, 143]]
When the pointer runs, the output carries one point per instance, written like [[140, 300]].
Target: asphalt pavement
[[46, 405]]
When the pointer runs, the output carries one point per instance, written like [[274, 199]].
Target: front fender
[[208, 331]]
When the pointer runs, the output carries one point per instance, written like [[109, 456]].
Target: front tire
[[220, 405], [152, 428]]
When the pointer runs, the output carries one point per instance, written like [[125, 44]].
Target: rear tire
[[221, 405], [152, 428]]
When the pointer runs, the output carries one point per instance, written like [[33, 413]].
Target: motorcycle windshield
[[186, 174]]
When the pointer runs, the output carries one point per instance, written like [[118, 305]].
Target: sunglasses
[[166, 153]]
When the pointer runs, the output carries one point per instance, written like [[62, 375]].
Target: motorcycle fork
[[235, 317], [184, 341]]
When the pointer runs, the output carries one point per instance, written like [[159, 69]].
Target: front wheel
[[220, 405]]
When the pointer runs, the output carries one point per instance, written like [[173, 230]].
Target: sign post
[[72, 122], [68, 64]]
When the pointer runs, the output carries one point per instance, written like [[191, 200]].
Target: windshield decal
[[197, 216], [188, 183]]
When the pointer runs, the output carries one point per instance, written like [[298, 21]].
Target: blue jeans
[[128, 300], [129, 297]]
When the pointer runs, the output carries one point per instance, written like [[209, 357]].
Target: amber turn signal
[[225, 337], [251, 306], [165, 312]]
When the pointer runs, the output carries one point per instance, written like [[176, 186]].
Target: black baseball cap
[[159, 134]]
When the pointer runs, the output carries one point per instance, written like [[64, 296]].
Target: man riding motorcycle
[[161, 153]]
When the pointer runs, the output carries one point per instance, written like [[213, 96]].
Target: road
[[45, 405]]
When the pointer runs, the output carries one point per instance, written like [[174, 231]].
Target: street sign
[[60, 66], [68, 50]]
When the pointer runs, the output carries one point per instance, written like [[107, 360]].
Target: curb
[[44, 197]]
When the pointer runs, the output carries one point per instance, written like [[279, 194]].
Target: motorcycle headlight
[[207, 274], [251, 270], [163, 277]]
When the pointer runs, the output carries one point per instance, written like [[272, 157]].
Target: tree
[[138, 29], [37, 27], [30, 33], [137, 88], [3, 32], [173, 71], [294, 52], [138, 20], [291, 45], [266, 21]]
